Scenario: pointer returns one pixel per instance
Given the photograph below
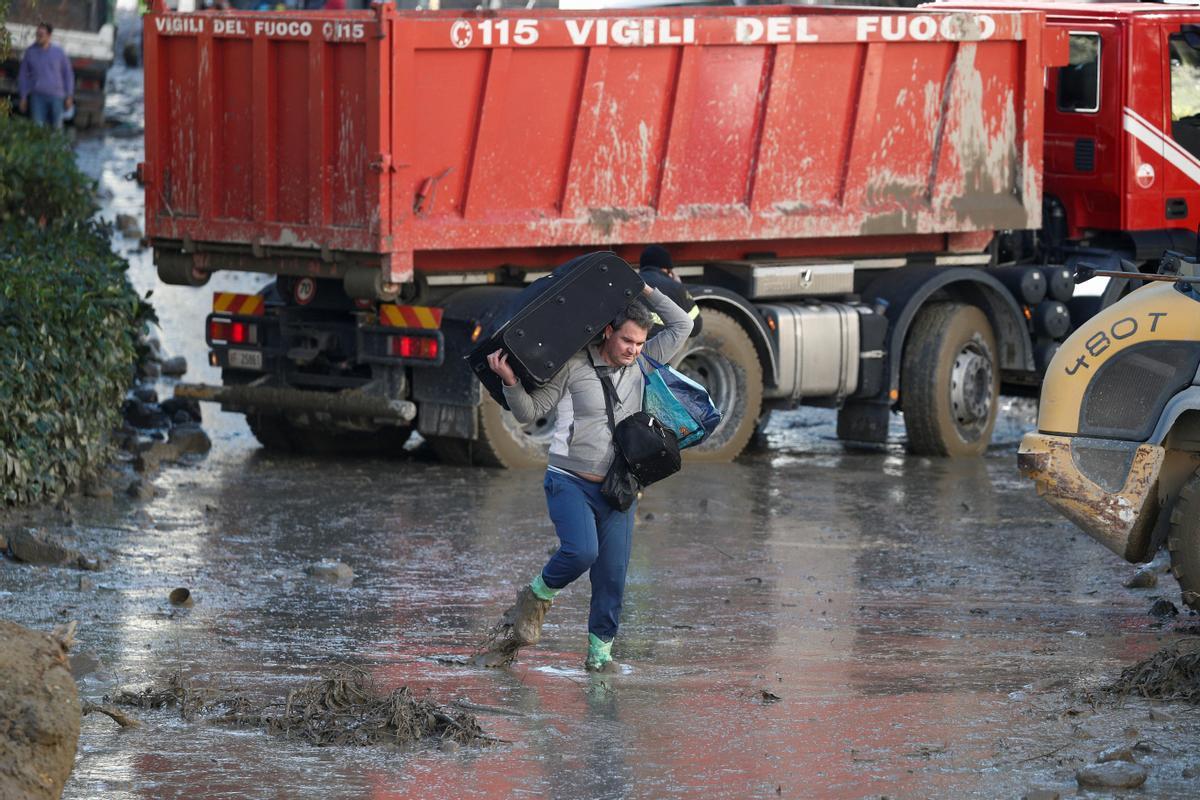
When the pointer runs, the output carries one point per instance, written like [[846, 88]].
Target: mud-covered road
[[807, 622]]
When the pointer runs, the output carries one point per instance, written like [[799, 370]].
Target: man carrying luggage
[[593, 536]]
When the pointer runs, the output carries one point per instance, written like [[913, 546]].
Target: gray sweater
[[589, 441]]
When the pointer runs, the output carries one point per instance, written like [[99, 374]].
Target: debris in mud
[[1111, 775], [1172, 673], [181, 597], [1118, 752], [768, 697], [37, 547], [1041, 794], [342, 707], [327, 570], [122, 719], [1144, 578], [1163, 608]]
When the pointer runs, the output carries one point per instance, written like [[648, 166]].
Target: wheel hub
[[971, 386]]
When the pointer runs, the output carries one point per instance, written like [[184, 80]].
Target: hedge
[[69, 320]]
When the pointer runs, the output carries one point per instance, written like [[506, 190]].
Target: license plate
[[245, 359]]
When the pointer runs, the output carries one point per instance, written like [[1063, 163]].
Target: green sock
[[599, 651], [541, 590]]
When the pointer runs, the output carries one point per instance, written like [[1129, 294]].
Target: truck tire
[[1183, 540], [503, 442], [949, 382], [275, 433], [723, 360]]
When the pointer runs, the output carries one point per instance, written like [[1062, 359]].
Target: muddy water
[[925, 624]]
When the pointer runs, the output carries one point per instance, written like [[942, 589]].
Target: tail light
[[230, 332], [423, 347]]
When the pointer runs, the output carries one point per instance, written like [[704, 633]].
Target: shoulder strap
[[609, 391]]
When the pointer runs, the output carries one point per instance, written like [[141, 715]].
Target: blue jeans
[[46, 110], [593, 537]]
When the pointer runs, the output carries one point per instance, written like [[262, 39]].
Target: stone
[[33, 547], [1163, 608], [39, 714], [141, 489], [154, 455], [1191, 772], [1041, 794], [127, 224], [1160, 716], [1144, 578], [1111, 775], [175, 366], [174, 405], [328, 570], [98, 488], [1118, 752], [189, 438], [145, 416], [145, 394], [150, 369], [86, 584]]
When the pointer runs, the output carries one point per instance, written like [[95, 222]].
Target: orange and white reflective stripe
[[426, 317], [245, 305]]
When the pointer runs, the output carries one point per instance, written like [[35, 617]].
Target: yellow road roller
[[1117, 446]]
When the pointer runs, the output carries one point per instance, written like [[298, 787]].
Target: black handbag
[[646, 451]]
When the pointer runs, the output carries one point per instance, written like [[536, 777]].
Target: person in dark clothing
[[658, 270]]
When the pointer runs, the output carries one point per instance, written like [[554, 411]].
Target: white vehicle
[[85, 32]]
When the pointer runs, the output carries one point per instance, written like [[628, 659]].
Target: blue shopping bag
[[678, 402]]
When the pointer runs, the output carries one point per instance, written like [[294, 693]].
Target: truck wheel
[[274, 432], [723, 360], [1183, 540], [949, 383], [503, 442]]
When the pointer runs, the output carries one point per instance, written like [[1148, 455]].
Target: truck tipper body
[[84, 30], [854, 197]]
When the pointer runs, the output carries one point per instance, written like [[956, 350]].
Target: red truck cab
[[1122, 135]]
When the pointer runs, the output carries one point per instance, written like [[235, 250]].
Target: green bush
[[40, 182], [69, 322]]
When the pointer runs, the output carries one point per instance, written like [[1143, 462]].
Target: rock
[[141, 489], [3, 542], [1118, 752], [86, 584], [449, 746], [1191, 772], [181, 417], [1163, 608], [98, 488], [34, 548], [1160, 716], [154, 455], [39, 714], [153, 347], [145, 394], [328, 570], [172, 406], [1111, 775], [149, 369], [145, 416], [190, 439], [181, 597], [1041, 794], [175, 366], [127, 224], [1144, 578]]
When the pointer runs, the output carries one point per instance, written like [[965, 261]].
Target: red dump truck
[[868, 205]]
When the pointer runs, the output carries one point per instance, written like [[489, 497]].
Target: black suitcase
[[555, 317]]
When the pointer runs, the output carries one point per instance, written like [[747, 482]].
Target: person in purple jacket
[[46, 81]]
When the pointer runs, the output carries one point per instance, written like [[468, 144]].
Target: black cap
[[656, 257]]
